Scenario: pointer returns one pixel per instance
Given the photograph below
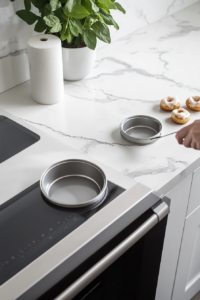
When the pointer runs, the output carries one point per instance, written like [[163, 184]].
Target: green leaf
[[41, 10], [27, 4], [79, 25], [119, 7], [108, 19], [64, 17], [87, 5], [78, 41], [94, 16], [71, 3], [90, 5], [101, 19], [40, 25], [58, 5], [102, 31], [55, 4], [103, 8], [73, 28], [107, 3], [51, 20], [47, 10], [39, 3], [77, 11], [60, 15], [64, 31], [115, 24], [88, 22], [89, 38], [56, 28], [69, 36], [27, 16]]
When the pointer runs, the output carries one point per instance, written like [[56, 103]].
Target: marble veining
[[15, 33], [131, 76], [143, 13], [15, 53], [90, 140], [183, 29], [106, 97], [171, 167]]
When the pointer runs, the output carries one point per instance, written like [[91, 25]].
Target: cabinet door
[[194, 201], [187, 282], [179, 201]]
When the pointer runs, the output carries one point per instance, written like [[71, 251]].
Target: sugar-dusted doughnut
[[170, 103], [180, 116], [193, 103]]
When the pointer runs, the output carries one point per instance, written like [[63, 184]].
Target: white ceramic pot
[[77, 62]]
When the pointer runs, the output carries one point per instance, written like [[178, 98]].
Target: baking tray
[[140, 129]]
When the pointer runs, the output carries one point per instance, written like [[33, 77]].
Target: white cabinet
[[179, 202], [187, 282], [194, 201]]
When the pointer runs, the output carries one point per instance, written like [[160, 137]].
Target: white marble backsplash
[[144, 12], [14, 33]]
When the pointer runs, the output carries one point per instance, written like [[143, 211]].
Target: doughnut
[[193, 103], [170, 103], [180, 116]]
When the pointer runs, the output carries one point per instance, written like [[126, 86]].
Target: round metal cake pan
[[74, 183], [140, 129]]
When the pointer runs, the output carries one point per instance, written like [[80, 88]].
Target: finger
[[198, 146], [194, 145], [181, 134], [187, 141], [179, 140]]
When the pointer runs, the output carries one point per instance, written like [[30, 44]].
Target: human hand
[[189, 136]]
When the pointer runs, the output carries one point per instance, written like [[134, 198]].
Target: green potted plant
[[78, 23]]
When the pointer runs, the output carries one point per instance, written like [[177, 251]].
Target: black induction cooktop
[[14, 138], [30, 225]]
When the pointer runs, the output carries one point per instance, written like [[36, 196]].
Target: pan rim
[[136, 139], [102, 191]]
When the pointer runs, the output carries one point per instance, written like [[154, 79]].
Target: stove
[[14, 138], [30, 225], [42, 243]]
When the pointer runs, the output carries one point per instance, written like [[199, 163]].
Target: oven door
[[127, 267]]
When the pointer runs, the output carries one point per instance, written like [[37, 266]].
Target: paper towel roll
[[46, 69]]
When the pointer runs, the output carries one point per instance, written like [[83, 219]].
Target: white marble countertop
[[130, 77]]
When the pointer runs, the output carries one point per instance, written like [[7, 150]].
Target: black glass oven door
[[134, 275]]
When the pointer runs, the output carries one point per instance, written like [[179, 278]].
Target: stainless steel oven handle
[[160, 211]]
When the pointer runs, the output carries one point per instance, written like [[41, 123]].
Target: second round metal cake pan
[[140, 129], [74, 183]]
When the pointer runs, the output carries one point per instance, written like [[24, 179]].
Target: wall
[[14, 33], [13, 38], [140, 13]]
